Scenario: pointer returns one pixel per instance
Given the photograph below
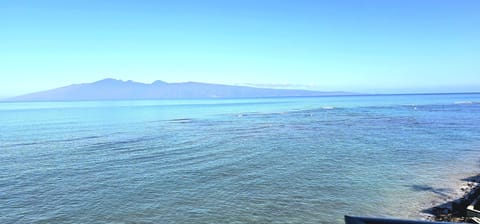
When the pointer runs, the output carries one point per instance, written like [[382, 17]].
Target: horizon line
[[6, 100]]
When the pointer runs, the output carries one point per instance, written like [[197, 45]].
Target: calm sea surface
[[277, 160]]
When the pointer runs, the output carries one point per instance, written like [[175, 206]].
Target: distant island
[[114, 89]]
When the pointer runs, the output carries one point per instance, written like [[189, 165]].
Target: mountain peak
[[113, 89], [109, 80], [158, 82]]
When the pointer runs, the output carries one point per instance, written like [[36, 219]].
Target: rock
[[446, 211], [457, 219]]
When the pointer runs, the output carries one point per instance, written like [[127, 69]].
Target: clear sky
[[364, 46]]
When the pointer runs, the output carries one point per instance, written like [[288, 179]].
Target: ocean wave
[[465, 102]]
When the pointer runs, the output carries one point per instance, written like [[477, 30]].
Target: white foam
[[463, 102]]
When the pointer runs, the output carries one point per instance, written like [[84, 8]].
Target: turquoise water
[[278, 160]]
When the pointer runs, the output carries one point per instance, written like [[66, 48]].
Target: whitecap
[[463, 102]]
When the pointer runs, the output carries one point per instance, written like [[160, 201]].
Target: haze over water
[[274, 160]]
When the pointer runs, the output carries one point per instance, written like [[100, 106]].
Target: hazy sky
[[367, 46]]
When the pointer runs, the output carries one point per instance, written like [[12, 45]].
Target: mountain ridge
[[116, 89]]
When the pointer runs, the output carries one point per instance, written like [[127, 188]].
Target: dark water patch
[[444, 192], [112, 144], [475, 179], [257, 115], [46, 142], [254, 129], [181, 120], [210, 123], [74, 139]]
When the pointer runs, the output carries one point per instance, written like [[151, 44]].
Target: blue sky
[[363, 46]]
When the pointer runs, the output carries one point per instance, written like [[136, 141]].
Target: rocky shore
[[455, 211]]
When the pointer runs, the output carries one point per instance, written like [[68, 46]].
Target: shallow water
[[277, 160]]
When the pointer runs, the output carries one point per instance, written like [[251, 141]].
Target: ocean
[[271, 160]]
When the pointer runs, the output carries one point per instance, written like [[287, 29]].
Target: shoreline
[[454, 210]]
